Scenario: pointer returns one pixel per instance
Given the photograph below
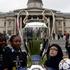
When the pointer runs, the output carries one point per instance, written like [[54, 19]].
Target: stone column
[[48, 20], [20, 23], [54, 25], [62, 27], [14, 25], [6, 26], [53, 22]]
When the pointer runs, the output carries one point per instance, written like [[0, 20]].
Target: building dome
[[35, 3], [29, 1]]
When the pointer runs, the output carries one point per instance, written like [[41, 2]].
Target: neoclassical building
[[56, 21]]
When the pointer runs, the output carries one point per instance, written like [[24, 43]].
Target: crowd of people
[[60, 36], [12, 57]]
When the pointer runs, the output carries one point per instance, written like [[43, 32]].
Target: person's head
[[54, 50], [3, 41], [15, 41]]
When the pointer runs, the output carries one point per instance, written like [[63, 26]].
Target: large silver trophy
[[35, 34]]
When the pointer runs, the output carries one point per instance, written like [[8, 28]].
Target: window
[[64, 23], [59, 23], [9, 32], [9, 23], [5, 23], [4, 32]]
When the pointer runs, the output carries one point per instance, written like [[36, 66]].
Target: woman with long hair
[[54, 56]]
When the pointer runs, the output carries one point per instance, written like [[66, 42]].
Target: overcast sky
[[59, 5]]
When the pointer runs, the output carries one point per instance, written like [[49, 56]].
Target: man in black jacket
[[67, 46]]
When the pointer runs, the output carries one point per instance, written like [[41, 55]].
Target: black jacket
[[67, 46], [2, 59], [15, 57]]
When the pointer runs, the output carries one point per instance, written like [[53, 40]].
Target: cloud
[[9, 5], [59, 5]]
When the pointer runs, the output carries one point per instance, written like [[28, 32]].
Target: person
[[3, 44], [54, 56], [15, 57], [67, 46]]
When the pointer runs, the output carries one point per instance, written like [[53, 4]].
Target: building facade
[[56, 21]]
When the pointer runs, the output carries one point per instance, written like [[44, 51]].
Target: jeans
[[1, 68], [22, 68], [49, 68]]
